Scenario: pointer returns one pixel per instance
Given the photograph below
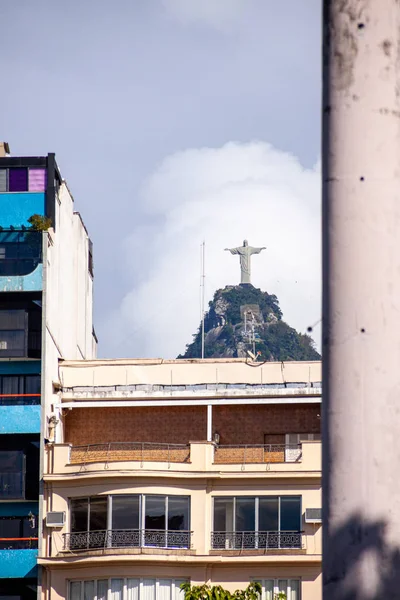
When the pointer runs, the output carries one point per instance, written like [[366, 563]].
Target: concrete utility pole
[[361, 299]]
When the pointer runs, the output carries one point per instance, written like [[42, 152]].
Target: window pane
[[269, 589], [149, 589], [132, 586], [11, 384], [102, 587], [164, 589], [268, 519], [117, 586], [88, 590], [3, 180], [290, 513], [155, 512], [12, 474], [282, 585], [98, 513], [178, 513], [75, 590], [79, 514], [125, 512], [32, 384], [245, 514], [37, 180], [179, 594], [295, 590], [223, 514], [18, 180]]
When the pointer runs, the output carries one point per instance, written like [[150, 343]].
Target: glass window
[[149, 589], [223, 514], [12, 474], [3, 180], [102, 587], [178, 513], [98, 513], [132, 589], [117, 586], [79, 514], [245, 514], [75, 590], [88, 590], [155, 512], [272, 587], [290, 513], [37, 180], [125, 512], [18, 179], [268, 519]]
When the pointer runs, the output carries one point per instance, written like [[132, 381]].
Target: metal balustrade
[[16, 543], [130, 451], [256, 454], [256, 540], [127, 538]]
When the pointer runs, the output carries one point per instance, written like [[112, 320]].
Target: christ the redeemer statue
[[245, 253]]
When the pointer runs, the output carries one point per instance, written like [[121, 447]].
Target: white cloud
[[220, 14], [223, 196]]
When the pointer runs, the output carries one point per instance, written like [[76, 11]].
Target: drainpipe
[[361, 299]]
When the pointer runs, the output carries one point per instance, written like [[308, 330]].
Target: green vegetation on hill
[[225, 334]]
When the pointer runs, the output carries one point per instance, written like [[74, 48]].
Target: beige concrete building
[[164, 471]]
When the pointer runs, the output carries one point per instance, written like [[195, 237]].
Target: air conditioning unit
[[313, 515], [55, 519]]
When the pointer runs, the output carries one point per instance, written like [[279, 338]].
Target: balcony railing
[[128, 451], [127, 538], [256, 540], [21, 252], [19, 399], [26, 543], [267, 453]]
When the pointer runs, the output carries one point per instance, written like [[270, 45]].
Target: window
[[20, 252], [12, 474], [22, 179], [135, 520], [19, 389], [272, 587], [257, 522], [20, 533], [13, 324], [126, 589]]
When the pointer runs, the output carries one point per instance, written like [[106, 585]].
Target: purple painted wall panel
[[18, 180], [37, 180]]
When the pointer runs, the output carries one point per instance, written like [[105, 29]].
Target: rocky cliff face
[[243, 319]]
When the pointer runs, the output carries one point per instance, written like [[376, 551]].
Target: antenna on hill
[[202, 292]]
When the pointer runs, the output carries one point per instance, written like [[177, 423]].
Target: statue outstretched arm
[[257, 250], [232, 250]]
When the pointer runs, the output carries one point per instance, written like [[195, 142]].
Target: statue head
[[245, 243]]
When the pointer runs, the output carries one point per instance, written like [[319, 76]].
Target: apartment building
[[46, 284], [165, 471]]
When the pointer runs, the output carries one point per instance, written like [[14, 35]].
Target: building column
[[209, 422], [361, 299]]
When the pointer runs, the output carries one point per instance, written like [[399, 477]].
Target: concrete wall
[[68, 294]]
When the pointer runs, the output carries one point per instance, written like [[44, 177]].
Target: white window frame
[[276, 581], [95, 580]]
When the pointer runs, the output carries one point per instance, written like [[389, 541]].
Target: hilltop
[[242, 318]]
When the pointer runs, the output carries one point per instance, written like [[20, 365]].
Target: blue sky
[[174, 121]]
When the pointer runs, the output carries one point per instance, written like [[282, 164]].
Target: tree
[[217, 592]]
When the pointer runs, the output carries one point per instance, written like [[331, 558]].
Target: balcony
[[127, 538], [18, 543], [256, 540], [125, 457], [130, 451], [257, 454]]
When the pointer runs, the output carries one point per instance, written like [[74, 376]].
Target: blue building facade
[[28, 186]]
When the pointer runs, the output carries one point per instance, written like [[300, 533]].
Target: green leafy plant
[[217, 592], [39, 222]]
